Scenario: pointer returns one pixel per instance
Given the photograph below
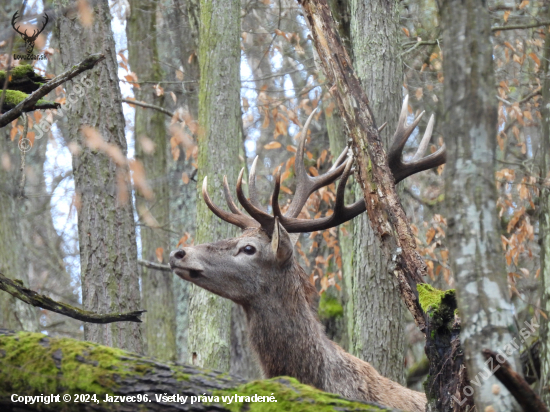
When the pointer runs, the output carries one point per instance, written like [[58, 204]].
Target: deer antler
[[401, 169], [14, 18], [34, 36], [306, 184]]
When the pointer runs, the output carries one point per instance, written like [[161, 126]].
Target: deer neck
[[286, 335]]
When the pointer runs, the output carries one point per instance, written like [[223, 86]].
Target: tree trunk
[[473, 228], [14, 314], [69, 367], [178, 47], [219, 140], [156, 286], [107, 240], [544, 383], [376, 323]]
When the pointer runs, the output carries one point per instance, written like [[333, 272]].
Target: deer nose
[[178, 254], [175, 256]]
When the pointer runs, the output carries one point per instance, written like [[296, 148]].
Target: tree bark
[[544, 375], [473, 228], [376, 325], [106, 228], [178, 48], [219, 140], [14, 314], [32, 364], [157, 287]]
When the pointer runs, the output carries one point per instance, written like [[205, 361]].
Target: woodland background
[[89, 215]]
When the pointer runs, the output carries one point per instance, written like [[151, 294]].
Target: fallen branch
[[19, 291], [514, 382], [33, 98], [33, 364]]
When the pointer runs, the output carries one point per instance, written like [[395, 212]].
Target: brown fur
[[284, 331]]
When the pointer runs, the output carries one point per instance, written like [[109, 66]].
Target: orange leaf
[[159, 253], [272, 145], [185, 178], [430, 235], [406, 31]]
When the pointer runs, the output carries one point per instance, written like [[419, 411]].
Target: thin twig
[[149, 106], [521, 26], [87, 64], [17, 290], [153, 265]]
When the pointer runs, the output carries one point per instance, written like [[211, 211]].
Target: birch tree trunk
[[374, 312], [544, 383], [156, 286], [106, 228], [473, 236], [219, 142]]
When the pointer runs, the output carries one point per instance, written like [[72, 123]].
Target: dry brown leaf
[[185, 178], [158, 253], [147, 145], [85, 13], [272, 145]]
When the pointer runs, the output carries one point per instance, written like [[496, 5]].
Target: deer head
[[240, 268], [29, 40]]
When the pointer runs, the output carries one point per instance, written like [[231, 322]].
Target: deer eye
[[249, 250]]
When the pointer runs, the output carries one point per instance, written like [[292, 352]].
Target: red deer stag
[[259, 271]]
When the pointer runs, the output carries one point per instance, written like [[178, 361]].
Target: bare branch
[[17, 290], [153, 265], [514, 382], [149, 106], [33, 98], [521, 26]]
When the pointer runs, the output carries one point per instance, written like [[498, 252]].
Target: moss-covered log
[[13, 97], [33, 364], [23, 78]]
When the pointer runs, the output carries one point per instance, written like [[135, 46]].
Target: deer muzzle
[[183, 266]]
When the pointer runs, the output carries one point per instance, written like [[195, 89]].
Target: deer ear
[[281, 244]]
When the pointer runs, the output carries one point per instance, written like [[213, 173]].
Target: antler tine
[[14, 18], [229, 199], [237, 219], [340, 160], [252, 192], [401, 169], [275, 194], [341, 213], [425, 139], [306, 184], [402, 133], [265, 220], [382, 127]]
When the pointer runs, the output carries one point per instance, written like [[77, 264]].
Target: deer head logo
[[29, 40]]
